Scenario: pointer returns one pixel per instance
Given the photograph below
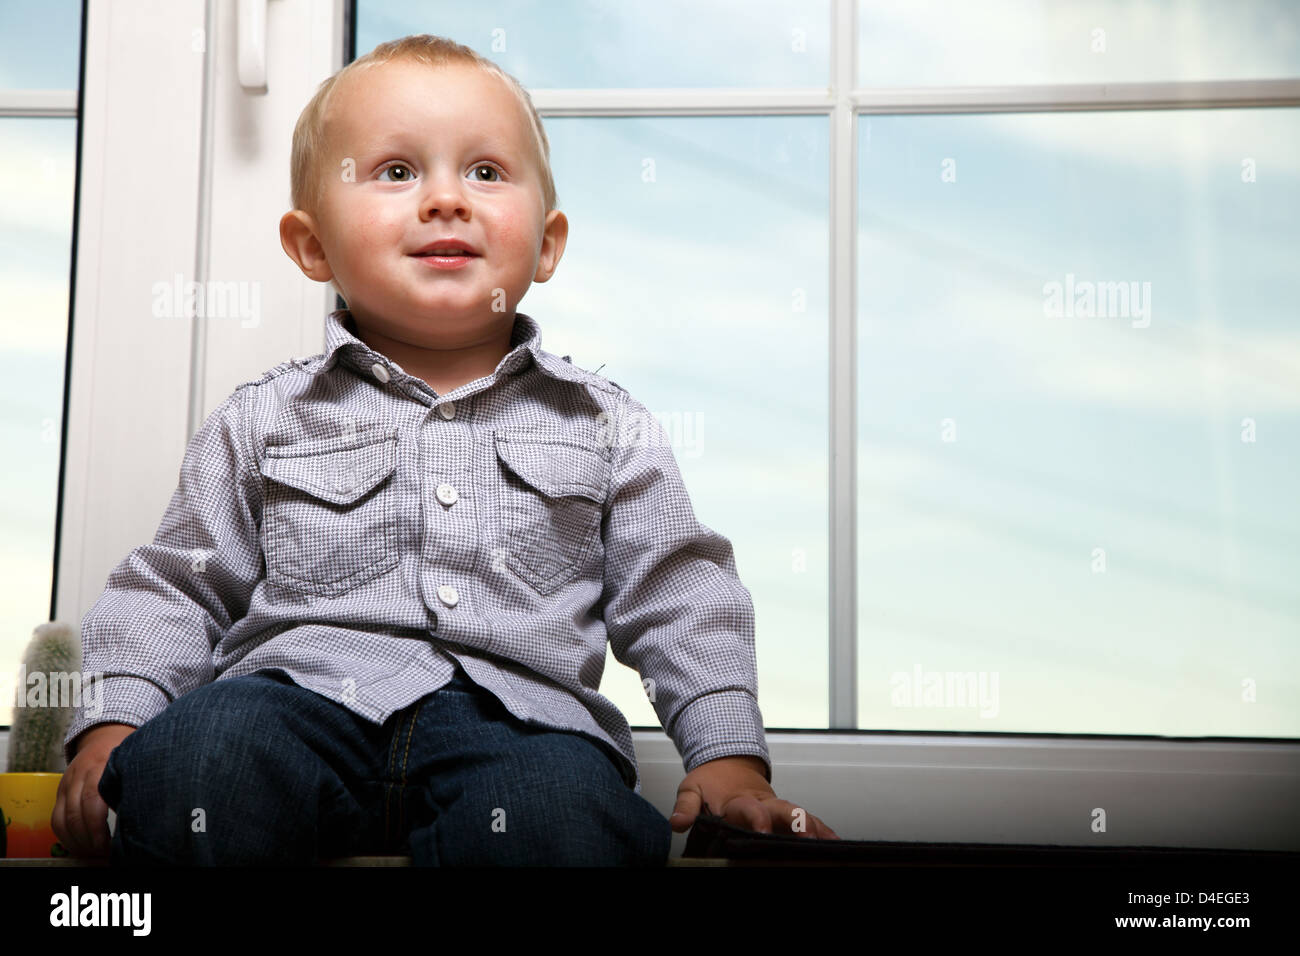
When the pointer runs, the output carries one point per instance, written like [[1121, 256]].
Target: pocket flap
[[340, 476], [555, 466]]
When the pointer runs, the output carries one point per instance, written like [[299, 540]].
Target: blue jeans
[[256, 770]]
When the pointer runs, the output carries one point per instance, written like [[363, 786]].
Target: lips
[[446, 248]]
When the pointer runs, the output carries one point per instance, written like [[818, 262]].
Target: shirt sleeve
[[150, 636], [674, 607]]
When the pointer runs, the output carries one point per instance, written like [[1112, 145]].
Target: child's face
[[416, 154]]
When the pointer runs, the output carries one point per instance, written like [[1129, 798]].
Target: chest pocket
[[552, 494], [329, 522]]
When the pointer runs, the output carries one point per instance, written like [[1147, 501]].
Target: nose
[[443, 195]]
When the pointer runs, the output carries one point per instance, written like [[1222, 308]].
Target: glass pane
[[1007, 42], [695, 276], [40, 45], [1079, 423], [37, 179], [575, 44]]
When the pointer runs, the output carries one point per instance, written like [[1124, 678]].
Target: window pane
[[37, 178], [40, 45], [997, 42], [1079, 422], [573, 44], [695, 276]]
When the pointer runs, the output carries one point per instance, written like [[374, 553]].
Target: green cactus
[[36, 737]]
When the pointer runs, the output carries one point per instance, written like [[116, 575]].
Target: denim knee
[[203, 782]]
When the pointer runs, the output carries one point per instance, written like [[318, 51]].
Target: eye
[[401, 179], [492, 169]]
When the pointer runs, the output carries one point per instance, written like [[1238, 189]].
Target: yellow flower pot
[[26, 805]]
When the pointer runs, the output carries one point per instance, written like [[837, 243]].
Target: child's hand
[[736, 789], [80, 817]]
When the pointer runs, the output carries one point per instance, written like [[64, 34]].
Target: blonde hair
[[309, 132]]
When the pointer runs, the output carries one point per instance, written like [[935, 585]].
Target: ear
[[554, 234], [298, 237]]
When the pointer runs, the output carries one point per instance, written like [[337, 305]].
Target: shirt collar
[[342, 345]]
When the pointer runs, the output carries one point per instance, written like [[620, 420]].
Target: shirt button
[[447, 410], [447, 494], [447, 595], [381, 373]]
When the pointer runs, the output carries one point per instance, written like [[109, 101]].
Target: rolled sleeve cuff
[[120, 700], [725, 723]]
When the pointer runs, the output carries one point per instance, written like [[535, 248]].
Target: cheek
[[379, 224], [516, 232], [362, 231], [371, 232]]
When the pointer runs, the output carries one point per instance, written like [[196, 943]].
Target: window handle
[[252, 45]]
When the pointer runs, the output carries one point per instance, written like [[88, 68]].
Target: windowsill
[[1030, 789], [970, 788]]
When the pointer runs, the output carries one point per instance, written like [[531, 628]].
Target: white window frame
[[970, 787], [961, 787]]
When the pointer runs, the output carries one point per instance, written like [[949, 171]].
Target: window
[[929, 43], [1048, 509], [701, 239], [1078, 405], [39, 78], [813, 298]]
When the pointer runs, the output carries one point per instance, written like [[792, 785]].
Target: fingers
[[96, 811], [813, 827], [823, 831], [66, 819], [57, 818], [80, 818], [685, 810], [83, 843], [748, 813], [816, 829]]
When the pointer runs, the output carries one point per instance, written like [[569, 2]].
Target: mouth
[[431, 261], [446, 249]]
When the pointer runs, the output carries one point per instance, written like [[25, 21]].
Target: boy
[[388, 573]]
